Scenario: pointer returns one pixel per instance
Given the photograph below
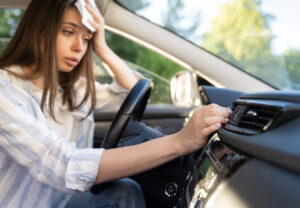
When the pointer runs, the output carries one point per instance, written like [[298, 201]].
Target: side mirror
[[184, 90]]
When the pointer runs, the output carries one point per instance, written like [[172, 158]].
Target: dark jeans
[[124, 193]]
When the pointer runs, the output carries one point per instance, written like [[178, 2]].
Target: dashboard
[[254, 160]]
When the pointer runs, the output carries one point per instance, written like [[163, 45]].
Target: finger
[[219, 111], [208, 121], [89, 3], [208, 112], [94, 11], [210, 129], [94, 24]]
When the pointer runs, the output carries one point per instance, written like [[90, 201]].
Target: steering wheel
[[132, 108]]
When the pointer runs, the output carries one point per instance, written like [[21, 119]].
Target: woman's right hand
[[147, 155], [204, 121]]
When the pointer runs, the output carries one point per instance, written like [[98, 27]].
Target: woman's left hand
[[98, 23]]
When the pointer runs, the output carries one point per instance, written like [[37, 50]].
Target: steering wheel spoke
[[133, 108]]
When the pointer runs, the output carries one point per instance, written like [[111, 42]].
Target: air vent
[[252, 119]]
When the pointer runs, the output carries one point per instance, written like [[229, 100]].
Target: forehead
[[72, 16]]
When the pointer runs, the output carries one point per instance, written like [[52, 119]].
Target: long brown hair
[[34, 43]]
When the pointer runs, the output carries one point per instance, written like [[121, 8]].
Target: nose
[[78, 44]]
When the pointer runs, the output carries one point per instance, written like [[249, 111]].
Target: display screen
[[201, 171], [213, 164]]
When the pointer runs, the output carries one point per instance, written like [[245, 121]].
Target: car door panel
[[167, 119]]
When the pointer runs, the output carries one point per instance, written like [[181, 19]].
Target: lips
[[72, 62]]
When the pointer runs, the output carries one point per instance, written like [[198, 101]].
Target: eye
[[68, 32], [87, 40]]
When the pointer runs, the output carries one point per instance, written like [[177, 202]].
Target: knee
[[128, 187], [129, 192]]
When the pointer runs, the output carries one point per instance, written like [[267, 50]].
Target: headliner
[[22, 4]]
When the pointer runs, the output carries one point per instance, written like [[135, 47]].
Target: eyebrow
[[75, 25]]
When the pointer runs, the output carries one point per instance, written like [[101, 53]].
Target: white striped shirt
[[42, 161]]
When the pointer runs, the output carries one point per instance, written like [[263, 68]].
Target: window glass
[[258, 36], [160, 94], [9, 19], [151, 64]]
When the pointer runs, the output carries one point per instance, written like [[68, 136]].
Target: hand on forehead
[[80, 5]]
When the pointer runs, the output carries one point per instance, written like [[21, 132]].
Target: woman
[[48, 93]]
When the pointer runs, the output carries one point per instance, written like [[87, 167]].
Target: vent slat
[[253, 117], [251, 124], [258, 119]]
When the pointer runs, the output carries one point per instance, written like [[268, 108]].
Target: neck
[[37, 80]]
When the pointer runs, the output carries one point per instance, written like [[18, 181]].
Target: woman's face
[[72, 40]]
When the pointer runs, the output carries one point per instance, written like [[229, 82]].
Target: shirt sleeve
[[28, 141], [110, 96]]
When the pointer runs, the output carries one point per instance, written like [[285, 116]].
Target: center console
[[216, 162]]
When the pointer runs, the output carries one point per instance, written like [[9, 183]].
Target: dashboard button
[[171, 189]]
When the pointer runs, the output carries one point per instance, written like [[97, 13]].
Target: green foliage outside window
[[145, 59], [238, 31], [292, 63], [142, 56], [241, 35], [9, 19]]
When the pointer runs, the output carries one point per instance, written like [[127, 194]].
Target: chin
[[66, 69]]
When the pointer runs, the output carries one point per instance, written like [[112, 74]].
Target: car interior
[[253, 161]]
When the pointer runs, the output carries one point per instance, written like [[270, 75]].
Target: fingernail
[[218, 125]]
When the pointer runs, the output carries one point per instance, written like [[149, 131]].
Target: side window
[[150, 64], [9, 20]]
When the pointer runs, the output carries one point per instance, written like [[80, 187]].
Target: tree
[[146, 59], [142, 56], [175, 20], [135, 5], [9, 19], [172, 20], [241, 34], [241, 30], [292, 63]]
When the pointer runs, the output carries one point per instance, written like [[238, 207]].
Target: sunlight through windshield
[[259, 37]]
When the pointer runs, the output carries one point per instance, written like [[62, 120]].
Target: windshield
[[258, 36]]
